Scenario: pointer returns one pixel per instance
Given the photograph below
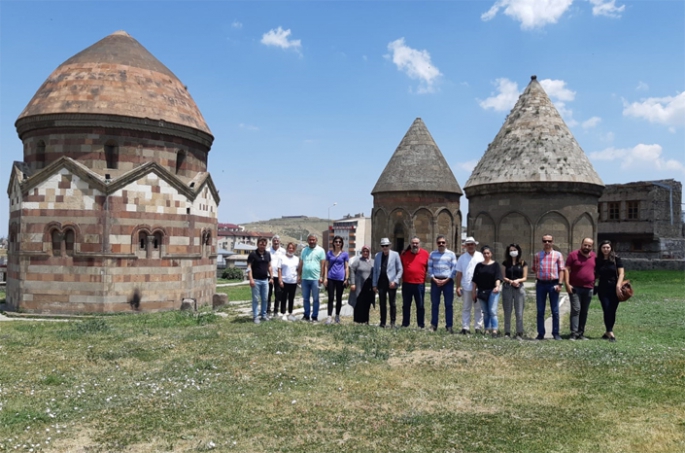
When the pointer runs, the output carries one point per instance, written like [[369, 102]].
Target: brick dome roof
[[417, 165], [534, 145], [116, 76]]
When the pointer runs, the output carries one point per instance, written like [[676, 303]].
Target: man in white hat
[[466, 264], [387, 272]]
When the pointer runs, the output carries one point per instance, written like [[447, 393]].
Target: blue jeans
[[542, 289], [448, 291], [261, 289], [416, 291], [490, 311], [310, 287]]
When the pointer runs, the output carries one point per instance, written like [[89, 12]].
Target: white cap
[[385, 241]]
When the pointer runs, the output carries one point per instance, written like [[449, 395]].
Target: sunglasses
[[385, 246], [544, 241], [337, 242], [442, 243]]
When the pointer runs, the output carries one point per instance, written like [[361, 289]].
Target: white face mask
[[514, 253]]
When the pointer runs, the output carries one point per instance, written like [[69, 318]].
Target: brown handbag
[[626, 290]]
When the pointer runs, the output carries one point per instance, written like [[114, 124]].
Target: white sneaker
[[284, 317], [256, 320], [329, 320]]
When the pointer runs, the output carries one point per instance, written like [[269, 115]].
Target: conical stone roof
[[116, 76], [533, 145], [417, 165]]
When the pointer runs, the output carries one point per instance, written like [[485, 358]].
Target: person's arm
[[567, 276], [523, 279], [621, 273], [453, 265], [280, 276], [347, 273], [400, 270], [323, 270], [299, 270], [249, 270], [474, 281], [562, 271], [498, 278]]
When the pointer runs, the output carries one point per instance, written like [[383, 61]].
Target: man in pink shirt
[[548, 266], [580, 281]]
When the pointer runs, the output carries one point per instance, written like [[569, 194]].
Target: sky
[[308, 100]]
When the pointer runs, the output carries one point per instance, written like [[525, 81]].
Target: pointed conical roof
[[533, 145], [116, 76], [417, 165]]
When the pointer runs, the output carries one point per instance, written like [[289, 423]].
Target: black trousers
[[275, 289], [287, 293], [389, 295], [335, 287]]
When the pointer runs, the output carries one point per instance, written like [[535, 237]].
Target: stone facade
[[416, 195], [112, 207], [643, 219], [533, 179]]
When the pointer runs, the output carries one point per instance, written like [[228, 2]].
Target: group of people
[[475, 276]]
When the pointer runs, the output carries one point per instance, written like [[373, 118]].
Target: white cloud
[[606, 8], [669, 110], [416, 64], [642, 86], [505, 99], [248, 127], [467, 166], [531, 13], [279, 38], [640, 156], [508, 94], [237, 24], [592, 122], [608, 137]]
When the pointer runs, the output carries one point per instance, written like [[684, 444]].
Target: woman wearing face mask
[[487, 277], [287, 280], [513, 293]]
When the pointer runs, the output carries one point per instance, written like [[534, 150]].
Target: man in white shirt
[[466, 264], [277, 252]]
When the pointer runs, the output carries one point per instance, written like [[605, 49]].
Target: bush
[[233, 273]]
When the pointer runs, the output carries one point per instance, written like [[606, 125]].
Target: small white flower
[[294, 401]]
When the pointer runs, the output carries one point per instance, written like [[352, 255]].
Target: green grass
[[179, 381]]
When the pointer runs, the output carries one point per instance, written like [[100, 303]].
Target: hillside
[[291, 229]]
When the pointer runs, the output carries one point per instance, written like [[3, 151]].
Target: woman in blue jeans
[[487, 278]]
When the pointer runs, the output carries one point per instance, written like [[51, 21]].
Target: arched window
[[206, 243], [180, 158], [40, 154], [69, 242], [111, 154], [56, 238], [142, 240]]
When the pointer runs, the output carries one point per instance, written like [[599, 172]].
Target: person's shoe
[[256, 320], [519, 336], [612, 339], [540, 337], [337, 319], [495, 335], [464, 332], [392, 325], [583, 337], [478, 331], [315, 319], [268, 312], [382, 326], [305, 318], [284, 317], [449, 330], [507, 335], [329, 320], [573, 337], [557, 337], [605, 337], [292, 318], [434, 328]]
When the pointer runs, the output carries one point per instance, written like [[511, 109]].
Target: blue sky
[[308, 100]]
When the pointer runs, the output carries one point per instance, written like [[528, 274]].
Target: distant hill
[[291, 229]]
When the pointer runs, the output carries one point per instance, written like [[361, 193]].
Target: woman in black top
[[513, 293], [609, 272], [487, 278]]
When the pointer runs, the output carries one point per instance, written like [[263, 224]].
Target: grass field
[[199, 382]]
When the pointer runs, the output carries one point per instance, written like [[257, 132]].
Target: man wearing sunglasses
[[387, 272], [442, 268], [549, 268]]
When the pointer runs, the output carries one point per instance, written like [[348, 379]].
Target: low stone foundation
[[641, 264]]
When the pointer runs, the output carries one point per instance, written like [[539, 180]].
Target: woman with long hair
[[287, 280], [336, 277], [609, 271], [487, 277], [513, 292], [361, 291]]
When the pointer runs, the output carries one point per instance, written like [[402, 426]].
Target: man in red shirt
[[580, 280], [415, 264]]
